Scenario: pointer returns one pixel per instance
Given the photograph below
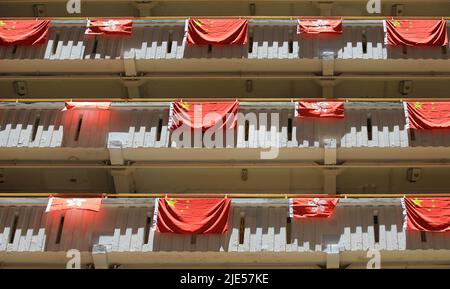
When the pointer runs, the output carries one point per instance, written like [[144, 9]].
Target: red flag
[[316, 26], [217, 31], [109, 27], [192, 216], [319, 109], [312, 207], [427, 115], [416, 32], [426, 214], [86, 105], [23, 32], [58, 204], [203, 115]]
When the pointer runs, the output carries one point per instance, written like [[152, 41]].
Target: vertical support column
[[333, 260], [100, 257], [328, 87], [123, 180], [325, 8], [133, 87], [329, 180], [145, 8]]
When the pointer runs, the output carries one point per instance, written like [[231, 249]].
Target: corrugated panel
[[122, 229], [274, 41]]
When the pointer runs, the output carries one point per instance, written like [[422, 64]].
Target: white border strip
[[405, 109], [296, 114], [291, 208], [385, 32], [49, 204], [170, 123], [405, 215], [155, 214]]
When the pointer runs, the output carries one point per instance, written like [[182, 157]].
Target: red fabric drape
[[60, 204], [416, 32], [87, 105], [217, 31], [317, 26], [204, 115], [427, 214], [428, 115], [193, 216], [24, 32], [319, 109], [110, 27], [303, 208]]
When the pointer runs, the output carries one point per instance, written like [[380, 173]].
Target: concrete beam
[[100, 256]]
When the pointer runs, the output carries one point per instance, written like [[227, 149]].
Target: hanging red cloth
[[24, 32], [426, 214], [109, 27], [427, 115], [303, 208], [416, 32], [217, 31], [321, 109], [318, 26]]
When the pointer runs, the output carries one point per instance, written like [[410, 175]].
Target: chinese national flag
[[322, 109], [317, 26], [192, 216], [24, 32], [86, 105], [428, 115], [203, 115], [303, 208], [427, 214], [416, 32], [59, 204], [109, 27], [217, 31]]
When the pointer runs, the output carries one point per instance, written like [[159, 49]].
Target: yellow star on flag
[[417, 202], [396, 23], [2, 23], [185, 105], [418, 105], [171, 203], [198, 22]]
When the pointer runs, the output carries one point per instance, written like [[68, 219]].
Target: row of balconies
[[268, 39]]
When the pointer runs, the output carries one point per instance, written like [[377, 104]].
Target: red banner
[[87, 105], [427, 214], [24, 32], [203, 115], [109, 27], [312, 207], [321, 109], [192, 216], [317, 26], [217, 31], [427, 115], [59, 204], [416, 32]]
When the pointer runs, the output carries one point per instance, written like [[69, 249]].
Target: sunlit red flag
[[217, 31], [426, 214], [192, 216], [203, 115], [321, 109], [87, 105], [60, 204], [427, 115], [24, 32], [109, 27], [416, 32], [317, 26], [303, 208]]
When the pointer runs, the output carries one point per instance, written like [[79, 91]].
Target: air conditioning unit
[[398, 10], [405, 87], [20, 87], [413, 175]]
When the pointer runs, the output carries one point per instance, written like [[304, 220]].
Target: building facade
[[129, 155]]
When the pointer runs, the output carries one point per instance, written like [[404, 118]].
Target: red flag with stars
[[426, 214], [416, 32], [203, 115], [105, 105], [24, 32], [427, 115], [61, 204], [192, 216], [318, 26], [303, 208], [217, 31], [109, 27], [321, 109]]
